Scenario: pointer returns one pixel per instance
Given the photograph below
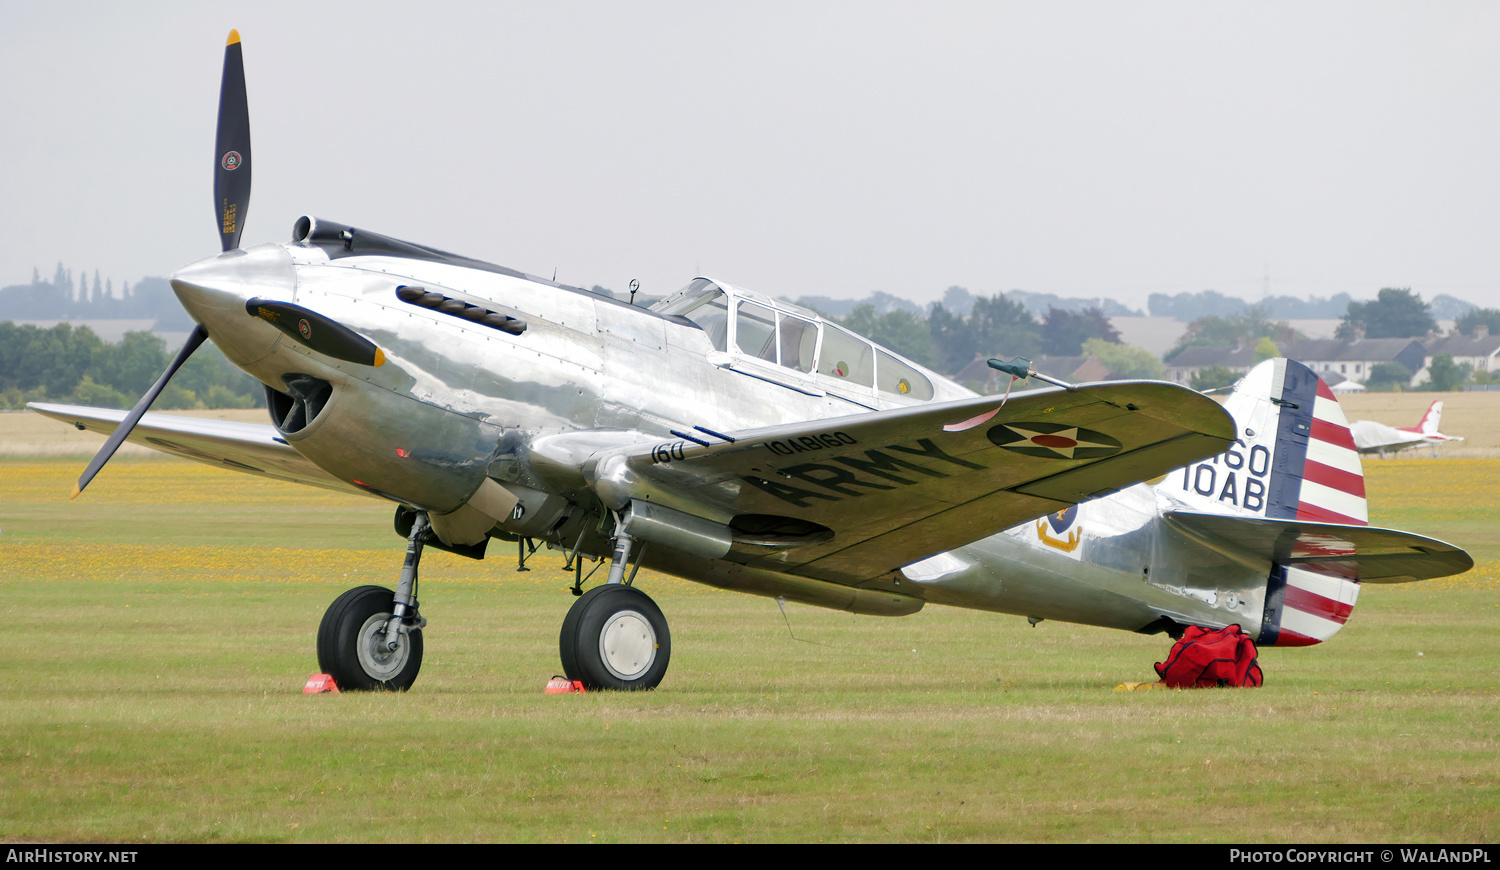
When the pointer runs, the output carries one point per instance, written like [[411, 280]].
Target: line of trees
[[72, 364], [1252, 328], [65, 363], [1486, 317], [994, 326], [1395, 312], [65, 297]]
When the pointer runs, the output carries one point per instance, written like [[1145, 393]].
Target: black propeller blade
[[231, 201], [232, 177], [317, 332], [123, 430]]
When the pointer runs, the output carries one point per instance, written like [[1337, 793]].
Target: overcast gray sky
[[1079, 148]]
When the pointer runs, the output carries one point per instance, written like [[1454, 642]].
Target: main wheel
[[351, 643], [615, 637]]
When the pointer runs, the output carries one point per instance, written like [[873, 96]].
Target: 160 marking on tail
[[1232, 476]]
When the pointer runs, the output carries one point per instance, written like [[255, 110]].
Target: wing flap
[[882, 551], [1377, 555], [247, 447]]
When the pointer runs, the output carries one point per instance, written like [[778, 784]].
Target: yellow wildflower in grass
[[1446, 490], [108, 533]]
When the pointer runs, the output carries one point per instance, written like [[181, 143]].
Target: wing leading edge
[[248, 447]]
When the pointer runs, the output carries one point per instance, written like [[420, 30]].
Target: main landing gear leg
[[615, 637], [405, 604], [370, 637]]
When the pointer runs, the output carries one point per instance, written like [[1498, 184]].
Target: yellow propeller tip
[[234, 36], [76, 491], [379, 357]]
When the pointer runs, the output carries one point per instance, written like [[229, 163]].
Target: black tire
[[615, 637], [347, 639]]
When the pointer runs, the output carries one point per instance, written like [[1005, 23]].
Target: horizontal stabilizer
[[1377, 555]]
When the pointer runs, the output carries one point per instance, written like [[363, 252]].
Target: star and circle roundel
[[1053, 440]]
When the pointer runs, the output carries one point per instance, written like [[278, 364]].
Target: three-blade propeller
[[231, 201]]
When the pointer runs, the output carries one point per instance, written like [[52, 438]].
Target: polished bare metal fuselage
[[457, 403]]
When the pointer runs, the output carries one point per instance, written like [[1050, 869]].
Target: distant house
[[1340, 384], [1332, 358], [1192, 360], [1478, 351], [1075, 369], [1354, 358], [978, 375]]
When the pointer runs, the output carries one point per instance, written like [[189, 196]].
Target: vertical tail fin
[[1293, 457], [1293, 461], [1429, 423]]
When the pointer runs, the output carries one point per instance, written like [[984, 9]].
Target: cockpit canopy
[[751, 325]]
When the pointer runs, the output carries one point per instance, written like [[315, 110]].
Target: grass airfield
[[163, 625]]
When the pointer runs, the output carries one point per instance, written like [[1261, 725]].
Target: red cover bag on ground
[[1210, 659]]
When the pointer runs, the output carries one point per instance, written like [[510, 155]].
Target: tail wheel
[[615, 637], [352, 647]]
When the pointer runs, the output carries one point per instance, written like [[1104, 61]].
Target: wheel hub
[[627, 645], [378, 660]]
